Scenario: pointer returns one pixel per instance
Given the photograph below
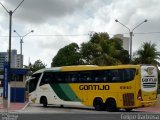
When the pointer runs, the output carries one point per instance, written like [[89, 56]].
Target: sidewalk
[[14, 107]]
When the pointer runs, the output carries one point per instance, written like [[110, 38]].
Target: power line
[[148, 33], [63, 35], [77, 35], [53, 35]]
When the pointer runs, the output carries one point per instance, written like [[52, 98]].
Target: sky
[[57, 23]]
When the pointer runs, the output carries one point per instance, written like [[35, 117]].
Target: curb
[[25, 106]]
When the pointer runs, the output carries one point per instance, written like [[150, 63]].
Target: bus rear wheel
[[98, 104], [44, 101], [128, 109], [111, 105]]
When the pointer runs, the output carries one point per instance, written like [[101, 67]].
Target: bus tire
[[44, 101], [98, 104], [111, 105], [61, 106]]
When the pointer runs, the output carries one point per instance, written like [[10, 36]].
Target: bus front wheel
[[44, 101]]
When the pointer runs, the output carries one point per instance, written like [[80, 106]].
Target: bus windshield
[[33, 82]]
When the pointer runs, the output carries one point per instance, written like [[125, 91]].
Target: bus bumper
[[149, 103]]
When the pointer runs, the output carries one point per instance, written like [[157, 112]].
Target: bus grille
[[128, 99]]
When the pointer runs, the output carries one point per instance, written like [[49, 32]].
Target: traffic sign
[[5, 88]]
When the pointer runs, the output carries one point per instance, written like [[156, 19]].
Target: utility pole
[[131, 34], [7, 99], [21, 41]]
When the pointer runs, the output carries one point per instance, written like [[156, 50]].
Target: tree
[[38, 64], [89, 51], [147, 54], [97, 37], [101, 50], [69, 55]]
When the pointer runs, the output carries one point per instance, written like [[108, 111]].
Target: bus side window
[[60, 77], [68, 78], [104, 79], [96, 75], [49, 77], [110, 75], [85, 76], [114, 76], [74, 77], [127, 74], [71, 77], [44, 79], [81, 77], [99, 76], [56, 77], [131, 73]]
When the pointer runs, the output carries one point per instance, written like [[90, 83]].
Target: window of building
[[17, 78]]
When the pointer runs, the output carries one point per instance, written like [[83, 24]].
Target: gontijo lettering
[[94, 87], [149, 79]]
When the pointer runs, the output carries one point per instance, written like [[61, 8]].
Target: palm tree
[[147, 54]]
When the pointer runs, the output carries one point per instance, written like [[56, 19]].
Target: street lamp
[[21, 41], [131, 33], [6, 99], [21, 38]]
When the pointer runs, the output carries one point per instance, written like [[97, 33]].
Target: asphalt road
[[37, 112], [61, 117], [38, 108], [77, 114]]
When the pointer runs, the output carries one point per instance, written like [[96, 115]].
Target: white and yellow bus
[[102, 87]]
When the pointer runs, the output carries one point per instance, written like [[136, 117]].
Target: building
[[18, 77], [124, 39], [16, 59], [19, 61], [18, 84], [3, 58]]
